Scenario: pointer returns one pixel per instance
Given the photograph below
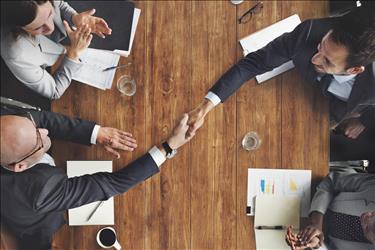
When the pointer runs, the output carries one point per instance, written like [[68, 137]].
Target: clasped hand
[[309, 237]]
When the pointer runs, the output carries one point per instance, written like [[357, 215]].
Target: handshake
[[113, 139]]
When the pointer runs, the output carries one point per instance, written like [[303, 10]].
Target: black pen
[[271, 227], [115, 67]]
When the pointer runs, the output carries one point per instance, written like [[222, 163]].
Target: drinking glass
[[126, 85], [251, 141]]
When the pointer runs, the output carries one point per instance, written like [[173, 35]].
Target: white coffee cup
[[106, 238]]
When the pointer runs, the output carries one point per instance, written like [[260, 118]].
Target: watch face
[[172, 154]]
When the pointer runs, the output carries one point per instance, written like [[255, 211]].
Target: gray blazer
[[350, 193], [27, 57]]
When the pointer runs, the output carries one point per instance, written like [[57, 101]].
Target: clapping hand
[[97, 25], [112, 139]]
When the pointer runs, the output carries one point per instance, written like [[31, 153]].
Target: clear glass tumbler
[[251, 141]]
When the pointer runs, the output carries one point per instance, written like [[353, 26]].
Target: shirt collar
[[343, 78]]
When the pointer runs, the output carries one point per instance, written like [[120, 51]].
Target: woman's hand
[[80, 39], [97, 25]]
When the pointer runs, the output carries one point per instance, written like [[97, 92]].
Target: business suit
[[28, 57], [351, 194], [33, 201], [299, 46]]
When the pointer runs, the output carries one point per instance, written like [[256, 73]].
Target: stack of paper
[[104, 215], [262, 37], [94, 62]]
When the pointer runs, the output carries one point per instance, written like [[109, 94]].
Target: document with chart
[[281, 182]]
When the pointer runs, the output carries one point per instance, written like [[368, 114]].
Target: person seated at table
[[37, 193], [31, 36], [346, 204], [337, 54]]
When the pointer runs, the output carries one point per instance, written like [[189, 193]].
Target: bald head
[[18, 138]]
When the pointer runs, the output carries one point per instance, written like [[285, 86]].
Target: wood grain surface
[[198, 200]]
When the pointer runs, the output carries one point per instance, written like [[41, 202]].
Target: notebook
[[280, 182], [104, 215], [271, 211], [262, 37]]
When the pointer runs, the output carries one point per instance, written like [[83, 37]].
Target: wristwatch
[[170, 152]]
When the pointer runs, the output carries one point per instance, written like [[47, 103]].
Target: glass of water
[[251, 141], [126, 85]]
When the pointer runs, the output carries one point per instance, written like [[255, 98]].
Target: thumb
[[67, 27], [184, 119], [90, 12]]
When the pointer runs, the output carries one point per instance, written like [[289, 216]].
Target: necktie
[[324, 83], [345, 227]]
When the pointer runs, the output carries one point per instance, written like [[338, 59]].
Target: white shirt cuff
[[94, 134], [157, 155], [213, 98]]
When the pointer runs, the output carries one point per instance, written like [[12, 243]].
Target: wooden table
[[198, 200]]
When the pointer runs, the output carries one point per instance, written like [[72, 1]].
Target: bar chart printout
[[279, 182]]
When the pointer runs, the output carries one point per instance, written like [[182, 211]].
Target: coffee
[[107, 237]]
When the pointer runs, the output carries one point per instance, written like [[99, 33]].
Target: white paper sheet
[[104, 215], [262, 37], [279, 182], [95, 61]]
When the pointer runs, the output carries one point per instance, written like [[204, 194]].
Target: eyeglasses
[[249, 13], [39, 138]]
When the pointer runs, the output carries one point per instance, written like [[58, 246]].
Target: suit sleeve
[[274, 54], [66, 11], [367, 118], [61, 193], [40, 80], [65, 128], [335, 183]]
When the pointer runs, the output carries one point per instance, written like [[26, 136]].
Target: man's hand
[[97, 25], [178, 137], [112, 138], [196, 116], [354, 128], [311, 236]]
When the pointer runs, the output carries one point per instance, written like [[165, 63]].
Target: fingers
[[90, 12], [67, 27], [112, 151], [184, 119]]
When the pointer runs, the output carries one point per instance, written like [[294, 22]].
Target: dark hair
[[16, 14], [356, 31]]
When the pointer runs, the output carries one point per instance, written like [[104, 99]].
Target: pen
[[271, 227], [115, 67], [95, 209]]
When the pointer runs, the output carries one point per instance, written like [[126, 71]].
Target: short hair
[[356, 31], [16, 14]]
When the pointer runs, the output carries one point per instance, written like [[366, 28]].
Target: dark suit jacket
[[33, 201], [300, 45]]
